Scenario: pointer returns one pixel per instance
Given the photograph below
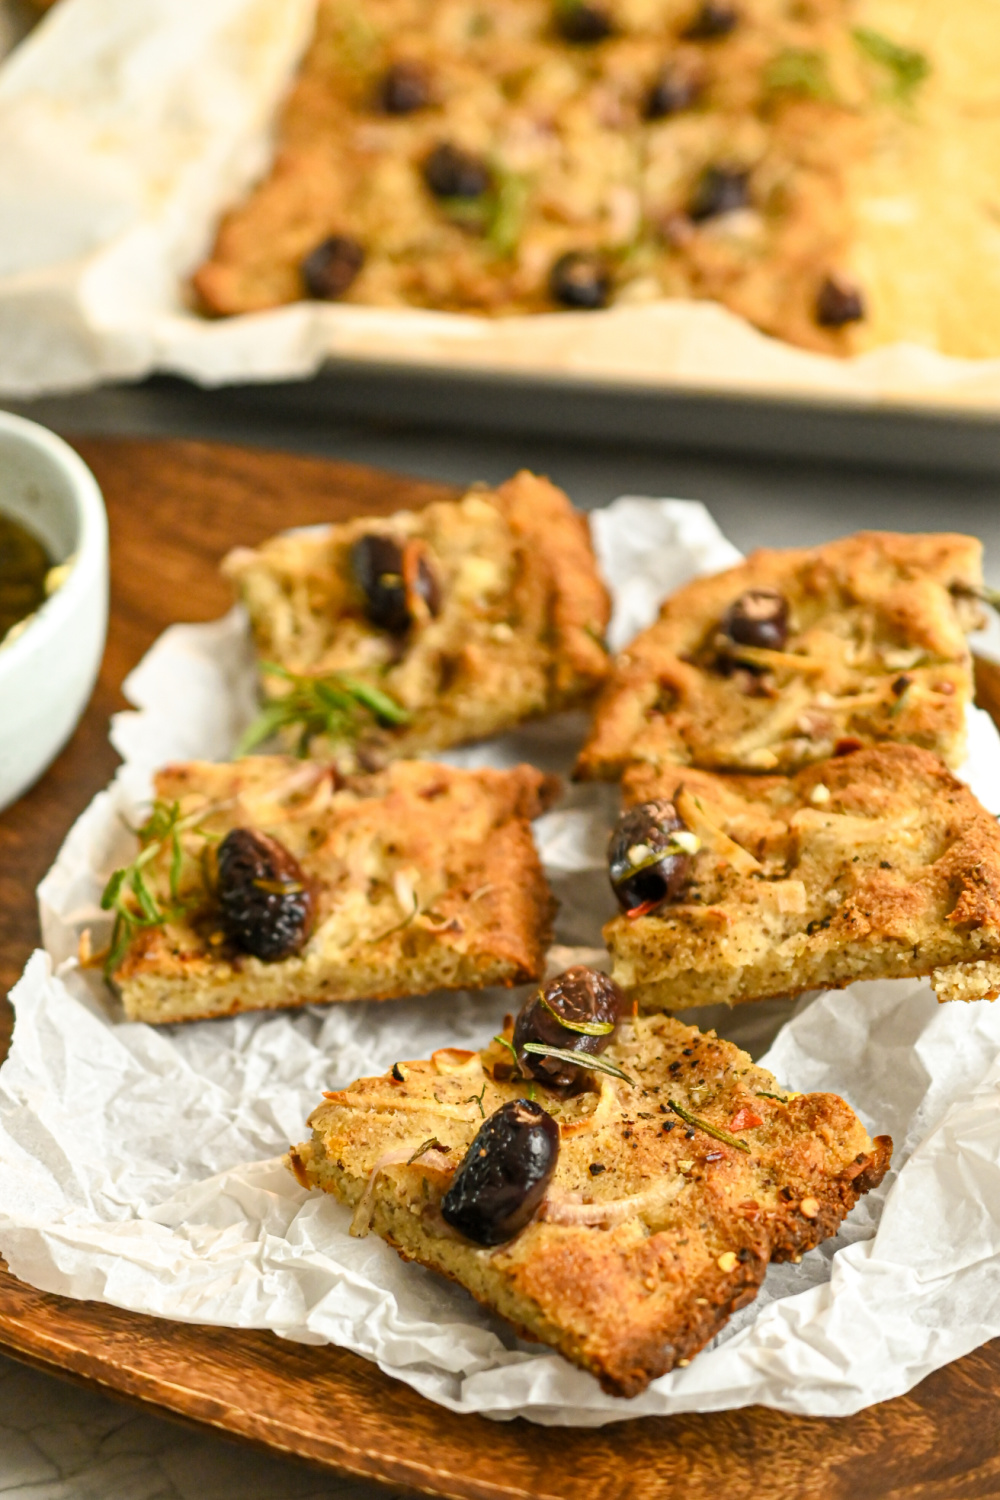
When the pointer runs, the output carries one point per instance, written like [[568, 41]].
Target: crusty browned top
[[519, 633], [876, 652], [873, 864], [417, 851], [674, 1227]]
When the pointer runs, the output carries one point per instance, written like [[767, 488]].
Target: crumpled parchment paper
[[142, 1166], [127, 127]]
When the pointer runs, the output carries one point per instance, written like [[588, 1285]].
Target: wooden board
[[175, 508]]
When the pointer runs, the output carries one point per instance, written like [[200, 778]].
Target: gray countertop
[[61, 1443]]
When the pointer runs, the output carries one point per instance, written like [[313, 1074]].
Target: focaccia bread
[[417, 878], [670, 1195], [542, 154], [872, 649], [878, 864], [493, 612]]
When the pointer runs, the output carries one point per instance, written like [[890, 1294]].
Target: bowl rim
[[91, 548]]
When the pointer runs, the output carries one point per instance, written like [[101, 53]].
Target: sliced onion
[[434, 1162], [563, 1210]]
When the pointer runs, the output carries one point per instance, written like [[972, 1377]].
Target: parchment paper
[[141, 1166], [128, 126]]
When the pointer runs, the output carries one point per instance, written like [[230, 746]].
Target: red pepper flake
[[643, 910], [745, 1119], [847, 745]]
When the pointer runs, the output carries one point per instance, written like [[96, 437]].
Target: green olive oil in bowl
[[27, 576]]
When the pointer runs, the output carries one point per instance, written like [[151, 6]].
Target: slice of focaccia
[[873, 865], [770, 665], [671, 1193], [279, 882], [470, 615]]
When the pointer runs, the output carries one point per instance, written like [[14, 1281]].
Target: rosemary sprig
[[128, 894], [906, 67], [585, 1028], [337, 705], [477, 1099], [781, 1098], [708, 1128], [511, 1049], [585, 1060], [509, 206]]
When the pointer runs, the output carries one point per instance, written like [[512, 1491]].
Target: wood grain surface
[[175, 508]]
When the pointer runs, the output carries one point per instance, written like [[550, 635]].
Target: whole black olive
[[393, 577], [330, 269], [839, 302], [504, 1174], [452, 173], [580, 279], [267, 904], [720, 190], [403, 88], [646, 862], [580, 997], [758, 618], [581, 22], [673, 89], [715, 19]]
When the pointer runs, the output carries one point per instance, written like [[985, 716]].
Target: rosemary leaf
[[800, 70], [906, 67], [428, 1145], [709, 1129], [585, 1028], [337, 706], [584, 1060], [510, 1048]]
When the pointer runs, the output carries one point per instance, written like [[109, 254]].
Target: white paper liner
[[127, 127], [141, 1166]]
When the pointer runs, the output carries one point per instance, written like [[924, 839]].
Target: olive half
[[266, 901], [577, 1011], [759, 617], [397, 581], [504, 1174], [649, 856]]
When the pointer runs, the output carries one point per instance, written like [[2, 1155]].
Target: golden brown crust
[[629, 1298], [519, 632], [424, 877], [875, 864], [876, 652]]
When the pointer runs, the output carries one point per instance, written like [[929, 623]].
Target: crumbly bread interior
[[424, 878], [876, 652], [878, 864], [653, 1230], [519, 633]]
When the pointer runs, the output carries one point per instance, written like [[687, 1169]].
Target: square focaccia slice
[[672, 1190], [771, 665], [469, 616], [877, 864], [295, 884]]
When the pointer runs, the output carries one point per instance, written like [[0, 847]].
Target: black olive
[[580, 278], [504, 1174], [330, 269], [839, 302], [645, 862], [715, 19], [403, 88], [674, 89], [393, 577], [267, 903], [758, 618], [578, 21], [452, 173], [579, 995], [720, 190]]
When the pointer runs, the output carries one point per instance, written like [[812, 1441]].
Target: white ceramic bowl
[[47, 672]]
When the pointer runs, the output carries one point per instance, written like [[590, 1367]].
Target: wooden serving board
[[175, 508]]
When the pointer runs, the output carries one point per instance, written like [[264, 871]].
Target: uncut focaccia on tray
[[878, 864], [670, 1192], [471, 615], [280, 883], [775, 663], [528, 155]]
